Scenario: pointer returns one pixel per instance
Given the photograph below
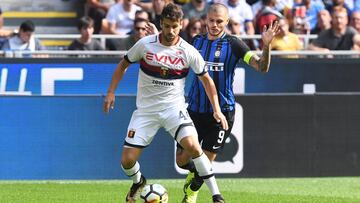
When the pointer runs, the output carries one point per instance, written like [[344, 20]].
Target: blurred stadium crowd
[[334, 23]]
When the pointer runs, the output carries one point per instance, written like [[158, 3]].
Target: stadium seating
[[56, 16]]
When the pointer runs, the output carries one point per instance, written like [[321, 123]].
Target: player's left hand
[[109, 102], [220, 118], [269, 32]]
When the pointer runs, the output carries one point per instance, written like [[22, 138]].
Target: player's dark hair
[[172, 12], [85, 22], [27, 26], [142, 11], [140, 20]]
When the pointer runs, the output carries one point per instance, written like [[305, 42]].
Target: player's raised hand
[[269, 32], [109, 102], [151, 29], [220, 118]]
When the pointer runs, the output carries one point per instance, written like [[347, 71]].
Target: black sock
[[196, 183]]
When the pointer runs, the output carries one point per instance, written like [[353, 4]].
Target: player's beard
[[170, 38], [214, 33]]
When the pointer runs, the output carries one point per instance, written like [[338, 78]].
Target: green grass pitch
[[326, 190]]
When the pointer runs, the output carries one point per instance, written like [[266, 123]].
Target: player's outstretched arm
[[117, 76], [211, 92], [262, 63]]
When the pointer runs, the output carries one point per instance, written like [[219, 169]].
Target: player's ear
[[181, 24]]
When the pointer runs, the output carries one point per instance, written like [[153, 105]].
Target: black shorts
[[211, 135]]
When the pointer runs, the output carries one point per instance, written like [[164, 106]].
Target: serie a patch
[[131, 133]]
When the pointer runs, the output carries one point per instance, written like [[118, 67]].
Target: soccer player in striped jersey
[[165, 60], [221, 53]]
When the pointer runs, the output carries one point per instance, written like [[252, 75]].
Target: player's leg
[[202, 124], [193, 181], [184, 161], [201, 162], [213, 138], [209, 136], [185, 134], [141, 131], [131, 167]]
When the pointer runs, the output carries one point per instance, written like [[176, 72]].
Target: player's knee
[[127, 161], [129, 156], [194, 149]]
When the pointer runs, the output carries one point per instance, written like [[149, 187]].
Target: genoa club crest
[[131, 133], [164, 72]]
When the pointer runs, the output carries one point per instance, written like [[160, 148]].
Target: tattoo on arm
[[265, 59], [262, 63]]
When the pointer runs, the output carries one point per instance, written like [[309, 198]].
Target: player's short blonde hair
[[218, 7]]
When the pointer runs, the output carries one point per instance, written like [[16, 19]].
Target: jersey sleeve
[[241, 50], [136, 52], [196, 61]]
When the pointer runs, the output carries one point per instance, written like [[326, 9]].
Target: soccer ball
[[154, 193]]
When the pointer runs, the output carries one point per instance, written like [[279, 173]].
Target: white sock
[[203, 166], [212, 185], [133, 172]]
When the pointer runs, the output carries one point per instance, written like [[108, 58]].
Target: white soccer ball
[[154, 193]]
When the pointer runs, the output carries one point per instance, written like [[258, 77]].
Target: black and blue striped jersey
[[221, 57]]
